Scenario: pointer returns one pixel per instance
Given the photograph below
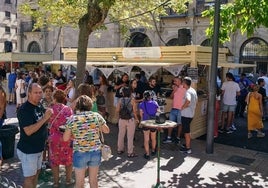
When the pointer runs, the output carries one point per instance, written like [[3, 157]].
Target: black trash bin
[[7, 137]]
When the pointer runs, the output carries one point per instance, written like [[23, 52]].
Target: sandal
[[132, 155], [69, 182], [120, 152]]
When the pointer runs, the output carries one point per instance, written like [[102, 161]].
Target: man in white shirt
[[230, 89]]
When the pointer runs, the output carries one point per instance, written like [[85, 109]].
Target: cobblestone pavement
[[227, 167]]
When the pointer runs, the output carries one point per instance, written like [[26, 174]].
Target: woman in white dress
[[20, 88], [70, 92]]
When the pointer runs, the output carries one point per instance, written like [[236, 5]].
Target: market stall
[[151, 59]]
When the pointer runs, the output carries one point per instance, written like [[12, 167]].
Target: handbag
[[100, 100], [106, 151], [22, 94]]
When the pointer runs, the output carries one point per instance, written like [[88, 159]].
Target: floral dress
[[60, 152]]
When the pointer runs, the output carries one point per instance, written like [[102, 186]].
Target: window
[[7, 14], [8, 1], [7, 29]]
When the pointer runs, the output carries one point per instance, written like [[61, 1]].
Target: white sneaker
[[233, 128], [260, 134]]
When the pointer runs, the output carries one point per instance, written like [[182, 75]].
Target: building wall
[[8, 21], [168, 28]]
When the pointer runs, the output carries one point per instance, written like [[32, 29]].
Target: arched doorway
[[138, 39], [173, 42], [206, 42], [254, 51], [34, 47]]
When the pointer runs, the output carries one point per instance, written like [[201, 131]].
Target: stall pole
[[213, 76]]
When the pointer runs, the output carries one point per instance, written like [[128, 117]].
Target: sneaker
[[249, 135], [178, 140], [260, 134], [168, 140], [229, 131], [221, 130], [146, 156], [44, 166], [185, 150], [153, 153], [233, 128]]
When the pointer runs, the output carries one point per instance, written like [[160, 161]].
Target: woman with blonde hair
[[85, 126], [255, 112]]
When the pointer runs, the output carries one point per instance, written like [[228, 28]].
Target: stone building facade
[[253, 50], [8, 25]]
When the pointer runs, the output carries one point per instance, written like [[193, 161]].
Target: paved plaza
[[227, 167]]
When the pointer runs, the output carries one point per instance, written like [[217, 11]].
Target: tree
[[240, 15], [90, 15]]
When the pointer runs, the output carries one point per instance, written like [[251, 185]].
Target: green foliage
[[241, 15], [128, 13]]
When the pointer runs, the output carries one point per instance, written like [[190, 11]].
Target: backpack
[[124, 112]]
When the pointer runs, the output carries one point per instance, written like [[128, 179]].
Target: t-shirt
[[243, 84], [178, 96], [230, 89], [191, 96], [28, 114], [85, 127], [156, 89], [12, 80], [149, 109]]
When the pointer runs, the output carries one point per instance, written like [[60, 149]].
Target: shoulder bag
[[106, 151], [22, 94]]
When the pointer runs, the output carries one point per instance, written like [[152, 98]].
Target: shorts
[[147, 129], [86, 159], [186, 122], [30, 162], [11, 90], [175, 115], [228, 108]]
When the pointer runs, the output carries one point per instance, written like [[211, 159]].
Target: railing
[[5, 183]]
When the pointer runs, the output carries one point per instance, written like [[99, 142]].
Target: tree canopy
[[240, 15], [90, 15]]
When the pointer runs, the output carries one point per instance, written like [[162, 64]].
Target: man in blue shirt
[[241, 103], [11, 86]]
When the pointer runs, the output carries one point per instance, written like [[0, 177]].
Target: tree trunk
[[84, 32], [87, 24]]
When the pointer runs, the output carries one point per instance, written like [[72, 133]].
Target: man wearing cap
[[187, 113]]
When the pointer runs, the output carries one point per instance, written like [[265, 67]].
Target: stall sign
[[193, 73], [142, 53]]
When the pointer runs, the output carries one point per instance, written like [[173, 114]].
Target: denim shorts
[[175, 115], [30, 162], [228, 108], [86, 159]]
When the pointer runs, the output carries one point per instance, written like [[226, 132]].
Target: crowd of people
[[60, 125], [240, 96]]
